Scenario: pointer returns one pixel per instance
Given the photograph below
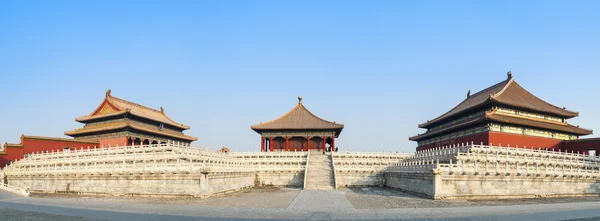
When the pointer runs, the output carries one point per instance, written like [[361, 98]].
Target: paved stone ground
[[260, 197], [325, 200], [381, 198], [584, 219], [19, 215], [302, 205]]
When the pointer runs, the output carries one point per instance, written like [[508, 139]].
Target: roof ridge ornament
[[299, 99], [108, 93], [509, 75], [162, 110], [469, 93]]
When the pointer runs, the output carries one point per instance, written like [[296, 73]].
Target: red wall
[[582, 145], [32, 145], [296, 144], [475, 138], [120, 141], [523, 141], [498, 138]]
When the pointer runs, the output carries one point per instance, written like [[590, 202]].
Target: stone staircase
[[320, 172]]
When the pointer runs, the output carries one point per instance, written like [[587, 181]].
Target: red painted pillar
[[262, 144], [307, 143], [271, 144], [324, 145], [333, 143], [287, 144]]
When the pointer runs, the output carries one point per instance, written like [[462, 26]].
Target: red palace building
[[118, 121], [115, 122], [298, 130], [508, 115]]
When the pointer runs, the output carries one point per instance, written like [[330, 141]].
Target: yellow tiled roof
[[117, 106], [299, 118]]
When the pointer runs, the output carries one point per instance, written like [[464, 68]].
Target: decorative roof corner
[[469, 93], [162, 110], [108, 93], [509, 75]]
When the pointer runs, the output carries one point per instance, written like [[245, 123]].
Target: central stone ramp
[[320, 172]]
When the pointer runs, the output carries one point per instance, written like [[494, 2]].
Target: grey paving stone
[[307, 205]]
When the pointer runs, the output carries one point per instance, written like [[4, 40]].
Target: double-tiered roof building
[[123, 122], [503, 114], [115, 122]]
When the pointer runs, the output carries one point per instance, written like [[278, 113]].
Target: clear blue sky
[[379, 67]]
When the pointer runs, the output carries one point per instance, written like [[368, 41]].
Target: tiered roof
[[508, 93], [299, 118], [494, 116], [113, 107], [128, 124]]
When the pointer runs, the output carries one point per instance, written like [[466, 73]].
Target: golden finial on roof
[[299, 99], [509, 74], [108, 93]]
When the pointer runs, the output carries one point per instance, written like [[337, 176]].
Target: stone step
[[320, 187], [319, 174]]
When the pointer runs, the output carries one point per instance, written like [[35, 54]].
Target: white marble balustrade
[[170, 157], [483, 159]]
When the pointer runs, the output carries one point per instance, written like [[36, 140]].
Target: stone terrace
[[480, 171], [169, 169], [363, 169]]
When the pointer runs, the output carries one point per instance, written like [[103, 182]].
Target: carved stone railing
[[494, 160], [366, 161], [14, 189], [335, 182], [153, 158], [306, 169]]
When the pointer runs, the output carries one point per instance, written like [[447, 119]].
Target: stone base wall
[[280, 178], [491, 186], [142, 184], [470, 186], [227, 182], [359, 178], [417, 183]]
